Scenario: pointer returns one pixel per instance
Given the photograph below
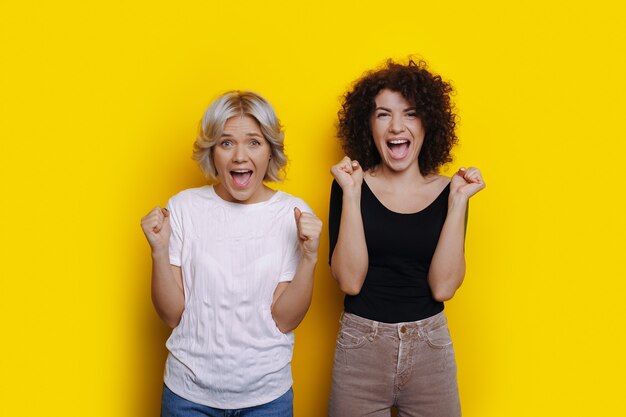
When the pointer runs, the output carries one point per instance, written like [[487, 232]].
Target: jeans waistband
[[376, 327]]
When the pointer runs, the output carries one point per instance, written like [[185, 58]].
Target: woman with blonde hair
[[232, 269]]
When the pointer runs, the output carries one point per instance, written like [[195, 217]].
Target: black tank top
[[400, 248]]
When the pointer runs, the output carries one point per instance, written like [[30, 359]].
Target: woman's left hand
[[309, 230], [466, 182]]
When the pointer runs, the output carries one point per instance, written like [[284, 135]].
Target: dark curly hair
[[427, 91]]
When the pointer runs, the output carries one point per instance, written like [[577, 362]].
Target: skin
[[167, 280], [241, 148], [397, 182]]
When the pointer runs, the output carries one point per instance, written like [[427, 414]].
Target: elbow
[[286, 328], [444, 286], [172, 320], [442, 295], [286, 323], [350, 288], [172, 323]]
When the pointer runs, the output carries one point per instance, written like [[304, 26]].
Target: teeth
[[398, 141], [241, 171]]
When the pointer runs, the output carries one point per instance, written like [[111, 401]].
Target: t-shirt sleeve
[[292, 254], [176, 239], [334, 216]]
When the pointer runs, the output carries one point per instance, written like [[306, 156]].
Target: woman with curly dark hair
[[397, 232]]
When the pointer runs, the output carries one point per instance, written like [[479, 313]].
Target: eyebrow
[[389, 110]]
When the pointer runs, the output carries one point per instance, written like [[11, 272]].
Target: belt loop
[[374, 328]]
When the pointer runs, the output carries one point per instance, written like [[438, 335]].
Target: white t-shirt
[[227, 351]]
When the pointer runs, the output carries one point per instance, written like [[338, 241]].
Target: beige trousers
[[409, 366]]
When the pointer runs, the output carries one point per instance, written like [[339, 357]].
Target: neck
[[409, 176]]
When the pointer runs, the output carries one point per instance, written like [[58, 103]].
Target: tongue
[[241, 178], [398, 151]]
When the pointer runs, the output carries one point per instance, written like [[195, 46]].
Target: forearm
[[447, 268], [349, 260], [293, 303], [167, 289]]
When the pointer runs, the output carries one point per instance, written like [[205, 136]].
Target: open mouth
[[241, 177], [398, 148]]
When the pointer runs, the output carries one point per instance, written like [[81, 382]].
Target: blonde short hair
[[239, 103]]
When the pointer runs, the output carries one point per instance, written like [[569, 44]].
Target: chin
[[242, 196], [246, 194], [398, 166]]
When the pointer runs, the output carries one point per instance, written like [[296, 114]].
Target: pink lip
[[399, 151], [241, 181]]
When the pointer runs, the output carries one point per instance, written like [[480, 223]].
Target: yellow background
[[100, 102]]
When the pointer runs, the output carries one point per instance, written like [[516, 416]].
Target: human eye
[[382, 115], [255, 143], [226, 143], [410, 113]]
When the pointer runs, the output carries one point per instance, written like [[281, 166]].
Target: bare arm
[[349, 260], [447, 268], [167, 280], [167, 290], [292, 299]]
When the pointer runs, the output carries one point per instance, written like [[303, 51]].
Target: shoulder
[[441, 178], [440, 181], [439, 186], [289, 201], [189, 197]]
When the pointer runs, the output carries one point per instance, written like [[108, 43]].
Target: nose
[[396, 125], [240, 155]]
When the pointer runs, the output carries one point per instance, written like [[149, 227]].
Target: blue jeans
[[173, 405]]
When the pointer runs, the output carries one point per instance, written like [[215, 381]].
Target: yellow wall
[[100, 102]]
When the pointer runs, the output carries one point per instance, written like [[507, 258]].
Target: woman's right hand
[[349, 175], [156, 226]]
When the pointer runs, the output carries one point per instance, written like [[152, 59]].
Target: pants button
[[403, 329]]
